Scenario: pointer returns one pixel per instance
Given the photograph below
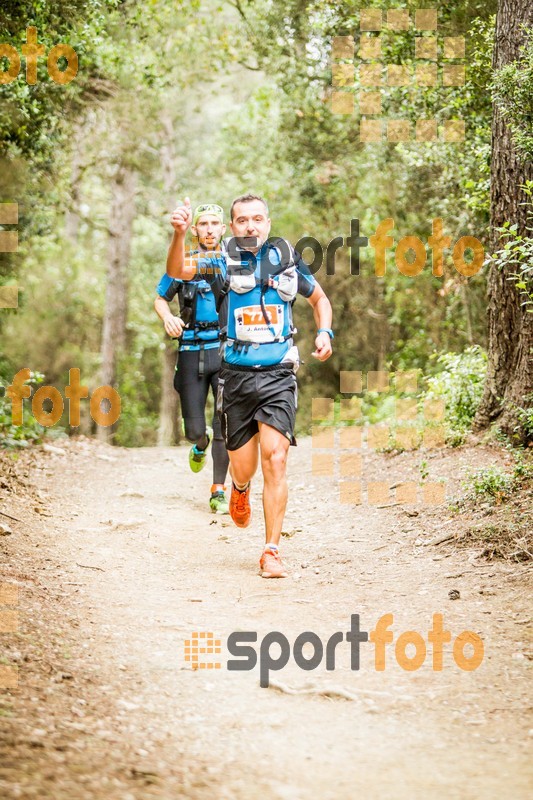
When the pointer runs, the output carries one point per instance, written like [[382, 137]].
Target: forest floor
[[117, 561]]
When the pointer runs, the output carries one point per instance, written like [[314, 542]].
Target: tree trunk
[[116, 301], [72, 214], [169, 428], [509, 373]]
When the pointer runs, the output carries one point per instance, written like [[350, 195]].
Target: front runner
[[198, 361], [256, 283]]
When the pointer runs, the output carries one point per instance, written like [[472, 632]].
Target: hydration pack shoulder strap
[[241, 279]]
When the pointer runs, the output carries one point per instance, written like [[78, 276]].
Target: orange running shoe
[[239, 506], [271, 565]]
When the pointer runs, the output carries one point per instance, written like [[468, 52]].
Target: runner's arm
[[173, 325], [177, 265], [322, 313]]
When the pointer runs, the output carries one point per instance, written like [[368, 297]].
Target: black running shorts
[[248, 396]]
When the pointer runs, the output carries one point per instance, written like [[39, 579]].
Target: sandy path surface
[[129, 563]]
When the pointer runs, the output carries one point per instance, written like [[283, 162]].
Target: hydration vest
[[198, 311], [258, 308]]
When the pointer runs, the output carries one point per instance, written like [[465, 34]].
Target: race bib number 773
[[250, 324]]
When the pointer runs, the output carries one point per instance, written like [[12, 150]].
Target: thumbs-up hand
[[182, 217]]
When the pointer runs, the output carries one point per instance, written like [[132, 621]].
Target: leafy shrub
[[30, 432], [511, 88], [377, 407], [460, 385], [495, 482], [525, 417], [516, 256], [137, 426], [489, 482]]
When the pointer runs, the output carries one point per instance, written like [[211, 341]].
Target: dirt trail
[[129, 563]]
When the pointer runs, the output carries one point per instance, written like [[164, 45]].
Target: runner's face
[[250, 225], [209, 230]]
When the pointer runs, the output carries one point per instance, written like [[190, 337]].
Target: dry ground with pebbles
[[117, 561]]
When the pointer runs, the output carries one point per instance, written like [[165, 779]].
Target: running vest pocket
[[287, 284], [242, 282]]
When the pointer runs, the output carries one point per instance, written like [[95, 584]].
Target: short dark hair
[[247, 198]]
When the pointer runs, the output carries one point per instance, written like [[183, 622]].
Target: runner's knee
[[194, 429], [274, 460], [243, 464], [241, 474]]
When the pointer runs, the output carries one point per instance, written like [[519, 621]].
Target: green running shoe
[[197, 458], [218, 503]]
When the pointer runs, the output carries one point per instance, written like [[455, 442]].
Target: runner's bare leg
[[274, 448], [244, 461]]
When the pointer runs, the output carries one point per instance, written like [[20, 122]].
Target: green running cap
[[208, 208]]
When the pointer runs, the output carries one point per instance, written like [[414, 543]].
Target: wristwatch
[[327, 330]]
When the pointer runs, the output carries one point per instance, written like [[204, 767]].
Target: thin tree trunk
[[72, 225], [509, 327], [116, 301], [72, 214], [169, 412], [468, 312]]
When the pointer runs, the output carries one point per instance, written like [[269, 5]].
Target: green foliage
[[212, 110], [423, 469], [505, 499], [516, 256], [512, 88], [491, 482], [137, 425], [523, 469], [460, 385], [524, 416], [30, 432], [458, 381], [31, 116], [332, 177], [378, 407], [495, 483], [136, 94]]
